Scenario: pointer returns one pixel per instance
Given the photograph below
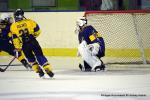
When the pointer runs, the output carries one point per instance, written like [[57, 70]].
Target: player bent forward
[[6, 44], [24, 33], [91, 46]]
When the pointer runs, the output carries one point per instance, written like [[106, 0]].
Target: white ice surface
[[70, 83]]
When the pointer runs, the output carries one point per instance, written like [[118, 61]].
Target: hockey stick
[[3, 70]]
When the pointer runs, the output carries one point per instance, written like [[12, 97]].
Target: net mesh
[[126, 35]]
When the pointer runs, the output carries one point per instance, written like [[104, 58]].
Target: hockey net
[[126, 35]]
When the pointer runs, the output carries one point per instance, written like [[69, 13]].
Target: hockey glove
[[17, 52]]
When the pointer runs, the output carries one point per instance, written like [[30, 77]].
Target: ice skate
[[41, 73], [48, 69], [26, 64], [80, 67], [99, 68]]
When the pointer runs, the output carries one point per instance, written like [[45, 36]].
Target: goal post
[[126, 34]]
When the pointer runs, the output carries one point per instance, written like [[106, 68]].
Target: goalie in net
[[91, 46]]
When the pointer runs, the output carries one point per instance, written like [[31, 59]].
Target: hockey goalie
[[91, 46]]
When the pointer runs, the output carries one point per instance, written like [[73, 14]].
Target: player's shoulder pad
[[30, 20], [90, 26]]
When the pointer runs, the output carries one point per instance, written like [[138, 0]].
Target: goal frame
[[133, 12]]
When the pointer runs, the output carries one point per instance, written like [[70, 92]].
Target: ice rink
[[119, 82]]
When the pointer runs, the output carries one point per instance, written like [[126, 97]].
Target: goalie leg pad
[[87, 66], [87, 56]]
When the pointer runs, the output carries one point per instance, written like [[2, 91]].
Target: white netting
[[126, 35]]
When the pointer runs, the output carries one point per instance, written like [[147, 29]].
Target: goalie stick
[[3, 70]]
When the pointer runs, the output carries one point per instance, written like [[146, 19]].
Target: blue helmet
[[19, 14]]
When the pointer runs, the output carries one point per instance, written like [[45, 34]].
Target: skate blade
[[47, 78]]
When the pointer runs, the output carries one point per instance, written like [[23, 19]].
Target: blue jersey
[[4, 31], [5, 45], [90, 35]]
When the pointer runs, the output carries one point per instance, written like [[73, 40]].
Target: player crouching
[[91, 46]]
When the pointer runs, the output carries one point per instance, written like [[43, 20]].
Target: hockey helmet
[[81, 21], [18, 14]]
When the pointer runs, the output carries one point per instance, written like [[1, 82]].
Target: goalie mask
[[79, 24], [82, 21], [19, 14]]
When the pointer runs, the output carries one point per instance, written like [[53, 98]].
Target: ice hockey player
[[25, 31], [6, 44], [91, 46]]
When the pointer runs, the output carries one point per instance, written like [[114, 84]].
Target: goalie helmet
[[82, 21], [18, 14]]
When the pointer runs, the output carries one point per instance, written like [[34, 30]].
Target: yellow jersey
[[22, 31]]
